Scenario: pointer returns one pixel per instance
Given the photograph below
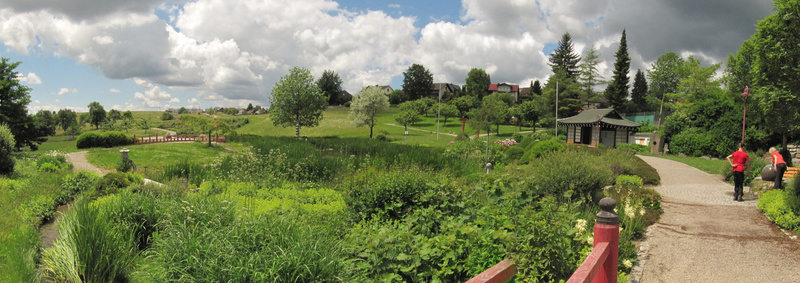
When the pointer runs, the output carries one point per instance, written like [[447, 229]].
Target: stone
[[767, 174]]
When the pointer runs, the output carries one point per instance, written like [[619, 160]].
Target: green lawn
[[160, 154], [706, 165]]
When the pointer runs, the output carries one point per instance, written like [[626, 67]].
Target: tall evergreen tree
[[536, 88], [564, 58], [617, 90], [639, 92], [417, 82], [331, 85], [590, 75]]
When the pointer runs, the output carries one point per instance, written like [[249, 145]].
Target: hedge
[[106, 139]]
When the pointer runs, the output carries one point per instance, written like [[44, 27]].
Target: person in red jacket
[[779, 166], [740, 163]]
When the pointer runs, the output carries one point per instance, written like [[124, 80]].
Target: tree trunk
[[406, 125], [297, 131], [371, 125]]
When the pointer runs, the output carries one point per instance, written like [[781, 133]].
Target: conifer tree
[[564, 58], [617, 90], [639, 92]]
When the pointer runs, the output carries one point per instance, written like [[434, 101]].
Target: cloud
[[153, 95], [114, 90], [65, 90], [235, 51], [31, 79]]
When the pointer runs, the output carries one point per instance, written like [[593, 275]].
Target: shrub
[[393, 193], [629, 180], [514, 153], [782, 208], [636, 148], [560, 172], [124, 165], [48, 167], [106, 140], [517, 137], [110, 183], [7, 143], [41, 207], [76, 183], [56, 159], [541, 148], [462, 136]]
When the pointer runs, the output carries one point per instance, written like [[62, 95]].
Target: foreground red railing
[[599, 267], [179, 138]]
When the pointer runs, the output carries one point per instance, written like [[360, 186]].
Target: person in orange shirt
[[779, 166], [740, 163]]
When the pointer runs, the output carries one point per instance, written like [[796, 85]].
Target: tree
[[777, 67], [97, 115], [249, 108], [331, 85], [166, 115], [7, 144], [665, 75], [14, 100], [477, 83], [536, 88], [639, 93], [447, 110], [114, 115], [128, 115], [183, 110], [589, 74], [417, 82], [397, 96], [528, 113], [367, 105], [418, 106], [145, 125], [568, 95], [66, 118], [617, 90], [464, 104], [45, 122], [297, 101], [564, 58], [494, 110], [406, 117]]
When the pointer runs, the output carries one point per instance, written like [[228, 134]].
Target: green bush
[[55, 159], [561, 172], [782, 208], [7, 143], [76, 183], [41, 207], [48, 167], [629, 180], [637, 148], [542, 148], [517, 137], [514, 153], [462, 136], [110, 183], [393, 192], [124, 165], [106, 140]]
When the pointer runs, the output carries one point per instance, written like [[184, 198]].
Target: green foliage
[[782, 206], [76, 183], [124, 165], [462, 136], [166, 116], [477, 83], [514, 153], [637, 148], [563, 171], [89, 248], [41, 207], [6, 148], [417, 82], [331, 85], [629, 180], [617, 89], [564, 59], [542, 148], [109, 184], [393, 193], [105, 139], [706, 127], [396, 97], [97, 115], [476, 150], [296, 101]]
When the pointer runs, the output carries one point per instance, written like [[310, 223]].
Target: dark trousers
[[738, 180], [779, 169]]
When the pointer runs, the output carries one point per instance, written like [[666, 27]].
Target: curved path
[[705, 236]]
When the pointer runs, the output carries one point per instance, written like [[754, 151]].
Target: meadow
[[333, 206]]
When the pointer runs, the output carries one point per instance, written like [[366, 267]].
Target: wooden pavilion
[[598, 126]]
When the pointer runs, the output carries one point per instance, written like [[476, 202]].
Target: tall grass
[[89, 248]]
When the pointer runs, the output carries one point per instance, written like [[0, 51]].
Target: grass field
[[161, 154], [706, 165]]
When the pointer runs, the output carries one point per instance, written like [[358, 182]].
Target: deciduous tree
[[589, 73], [14, 100], [367, 105], [66, 118], [477, 83], [97, 115], [297, 101], [406, 117]]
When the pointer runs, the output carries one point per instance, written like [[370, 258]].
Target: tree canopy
[[297, 101], [367, 105], [639, 92], [331, 85], [417, 82], [477, 83], [589, 73], [14, 100], [97, 115]]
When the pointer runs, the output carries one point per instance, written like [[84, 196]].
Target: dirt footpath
[[705, 236], [79, 162]]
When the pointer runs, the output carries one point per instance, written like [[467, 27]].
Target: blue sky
[[153, 55]]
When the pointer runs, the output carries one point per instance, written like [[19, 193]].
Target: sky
[[154, 55]]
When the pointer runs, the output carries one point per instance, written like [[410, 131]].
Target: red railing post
[[606, 229]]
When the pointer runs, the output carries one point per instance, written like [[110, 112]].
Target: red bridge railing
[[599, 267], [179, 138]]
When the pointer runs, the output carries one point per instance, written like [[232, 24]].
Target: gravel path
[[79, 162], [705, 236]]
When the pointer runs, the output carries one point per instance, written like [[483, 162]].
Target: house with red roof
[[505, 88]]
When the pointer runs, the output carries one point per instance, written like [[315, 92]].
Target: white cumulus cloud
[[31, 79]]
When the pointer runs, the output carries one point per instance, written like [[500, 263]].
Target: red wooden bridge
[[179, 138]]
